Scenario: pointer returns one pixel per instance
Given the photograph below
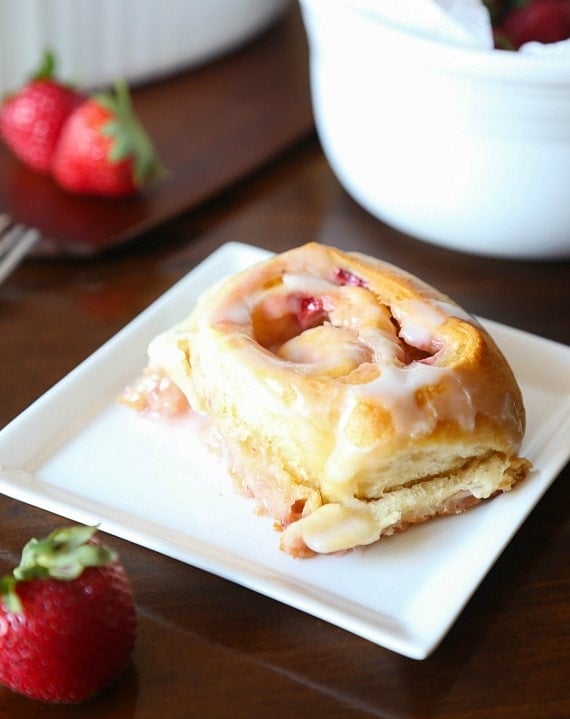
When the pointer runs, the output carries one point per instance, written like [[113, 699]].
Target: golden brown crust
[[337, 379]]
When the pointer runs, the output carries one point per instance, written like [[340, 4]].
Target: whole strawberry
[[31, 119], [543, 21], [67, 618], [103, 149]]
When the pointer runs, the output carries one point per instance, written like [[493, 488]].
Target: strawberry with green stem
[[67, 618], [31, 119], [104, 149]]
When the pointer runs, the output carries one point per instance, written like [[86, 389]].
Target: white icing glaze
[[353, 332], [237, 312], [397, 387], [298, 406], [326, 347], [163, 350], [386, 348], [307, 284], [418, 320], [335, 527], [357, 332], [341, 461]]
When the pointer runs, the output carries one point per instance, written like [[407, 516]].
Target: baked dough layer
[[352, 399]]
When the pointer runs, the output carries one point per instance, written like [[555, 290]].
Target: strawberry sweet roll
[[352, 399]]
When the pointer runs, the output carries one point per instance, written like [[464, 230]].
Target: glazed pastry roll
[[351, 399]]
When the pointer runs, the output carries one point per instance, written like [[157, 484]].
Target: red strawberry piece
[[67, 618], [311, 312], [31, 119], [544, 21], [345, 277], [103, 149]]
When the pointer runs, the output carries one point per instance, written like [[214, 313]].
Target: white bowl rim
[[501, 65]]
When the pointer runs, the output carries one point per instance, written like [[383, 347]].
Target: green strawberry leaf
[[130, 138], [62, 555], [74, 536], [8, 595], [46, 70]]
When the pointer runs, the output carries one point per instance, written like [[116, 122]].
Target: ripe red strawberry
[[311, 312], [67, 618], [544, 21], [345, 277], [32, 118], [103, 148]]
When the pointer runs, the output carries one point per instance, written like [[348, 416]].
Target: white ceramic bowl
[[463, 148], [98, 41]]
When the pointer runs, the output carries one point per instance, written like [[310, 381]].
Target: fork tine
[[5, 220], [15, 242]]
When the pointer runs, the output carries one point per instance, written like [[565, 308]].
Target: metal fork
[[16, 240]]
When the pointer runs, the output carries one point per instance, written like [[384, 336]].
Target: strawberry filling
[[345, 277], [155, 394], [311, 312], [336, 326]]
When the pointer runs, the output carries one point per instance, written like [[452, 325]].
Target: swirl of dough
[[352, 398]]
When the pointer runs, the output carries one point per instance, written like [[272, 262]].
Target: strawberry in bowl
[[516, 22], [67, 618]]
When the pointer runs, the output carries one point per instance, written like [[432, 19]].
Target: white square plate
[[77, 453]]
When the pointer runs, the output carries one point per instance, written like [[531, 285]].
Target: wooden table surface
[[210, 648]]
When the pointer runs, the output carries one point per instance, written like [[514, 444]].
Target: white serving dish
[[465, 148], [77, 453], [98, 41]]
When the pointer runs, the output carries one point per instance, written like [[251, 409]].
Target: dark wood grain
[[208, 648]]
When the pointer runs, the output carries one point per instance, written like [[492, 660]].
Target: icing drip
[[331, 324], [398, 388]]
